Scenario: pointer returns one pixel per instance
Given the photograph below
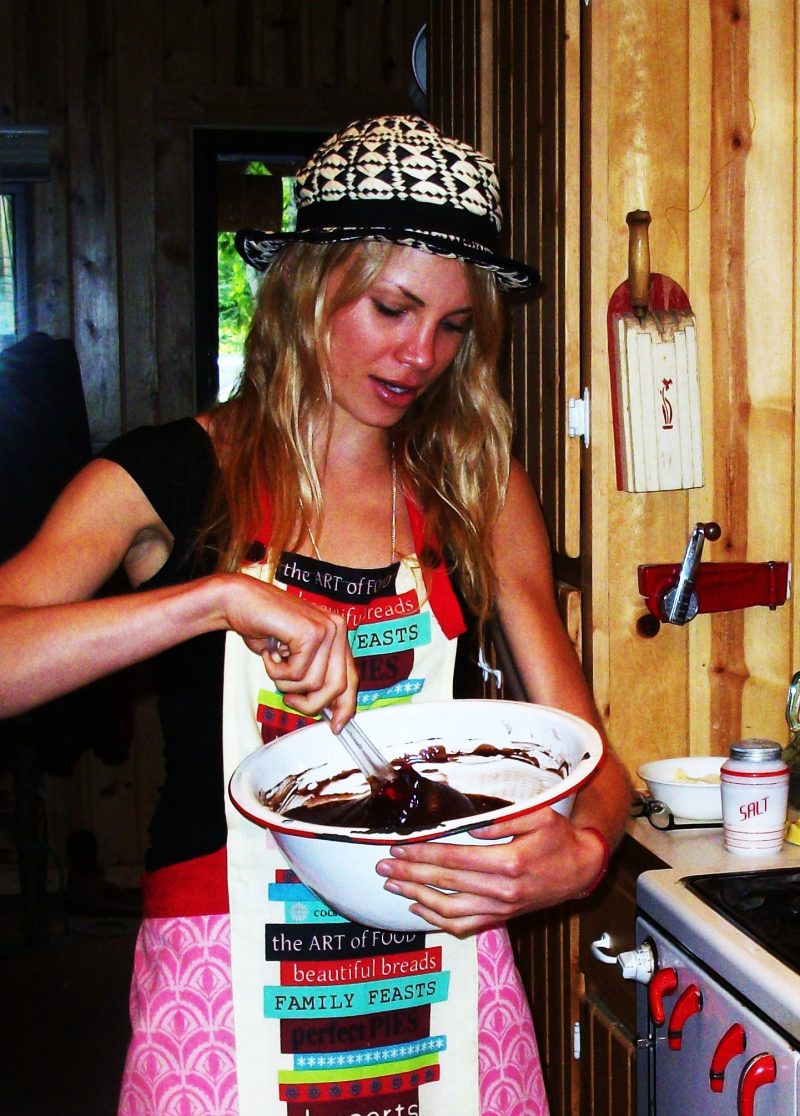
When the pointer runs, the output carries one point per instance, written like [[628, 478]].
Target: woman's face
[[397, 338]]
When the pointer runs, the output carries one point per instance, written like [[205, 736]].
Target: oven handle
[[662, 983], [730, 1046], [689, 1003], [760, 1070]]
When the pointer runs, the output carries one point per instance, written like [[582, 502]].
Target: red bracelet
[[603, 866]]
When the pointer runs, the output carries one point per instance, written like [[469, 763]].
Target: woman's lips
[[396, 395]]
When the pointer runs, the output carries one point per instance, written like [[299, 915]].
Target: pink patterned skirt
[[181, 1060]]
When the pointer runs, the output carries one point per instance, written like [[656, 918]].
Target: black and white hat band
[[397, 178]]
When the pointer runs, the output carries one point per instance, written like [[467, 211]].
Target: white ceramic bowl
[[695, 801], [338, 863]]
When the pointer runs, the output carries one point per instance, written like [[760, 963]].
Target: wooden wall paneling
[[92, 138], [568, 229], [794, 516], [639, 159], [546, 949], [570, 606], [8, 62], [442, 69], [274, 58], [534, 150], [187, 42], [379, 56], [455, 68], [51, 294], [730, 143], [771, 225], [209, 106], [173, 272], [595, 236], [403, 21], [702, 501], [545, 50], [137, 53], [323, 33], [238, 43], [709, 159], [753, 139], [511, 110], [39, 63], [607, 1064]]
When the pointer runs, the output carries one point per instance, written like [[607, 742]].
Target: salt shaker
[[755, 792]]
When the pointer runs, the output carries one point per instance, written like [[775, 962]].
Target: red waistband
[[195, 887]]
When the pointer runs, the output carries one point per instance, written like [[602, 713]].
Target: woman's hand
[[547, 861], [305, 649]]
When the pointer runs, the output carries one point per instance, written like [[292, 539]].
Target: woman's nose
[[417, 350]]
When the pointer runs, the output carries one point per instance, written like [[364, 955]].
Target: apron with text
[[333, 1018]]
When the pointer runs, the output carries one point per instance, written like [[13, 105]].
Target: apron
[[330, 1015], [183, 1058]]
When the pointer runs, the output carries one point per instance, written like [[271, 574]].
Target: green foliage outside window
[[237, 283]]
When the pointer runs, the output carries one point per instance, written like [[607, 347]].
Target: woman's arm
[[55, 638], [551, 858], [543, 652]]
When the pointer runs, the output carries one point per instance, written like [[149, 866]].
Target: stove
[[764, 905], [719, 1020]]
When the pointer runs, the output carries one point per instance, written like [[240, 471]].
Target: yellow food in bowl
[[681, 776]]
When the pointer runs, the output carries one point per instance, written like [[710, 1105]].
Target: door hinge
[[576, 1041], [579, 417]]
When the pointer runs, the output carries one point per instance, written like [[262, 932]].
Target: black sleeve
[[175, 466]]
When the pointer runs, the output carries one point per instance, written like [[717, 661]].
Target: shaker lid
[[756, 751]]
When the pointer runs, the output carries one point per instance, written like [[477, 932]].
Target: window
[[13, 290], [242, 180], [24, 160]]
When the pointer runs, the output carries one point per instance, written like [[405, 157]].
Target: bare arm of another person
[[551, 858], [54, 637]]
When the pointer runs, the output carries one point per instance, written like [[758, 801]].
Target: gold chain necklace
[[313, 541]]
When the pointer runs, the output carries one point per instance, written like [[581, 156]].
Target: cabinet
[[607, 1002], [584, 1012]]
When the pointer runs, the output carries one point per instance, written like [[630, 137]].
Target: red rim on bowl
[[248, 778]]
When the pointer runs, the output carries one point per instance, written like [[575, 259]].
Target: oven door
[[701, 1051]]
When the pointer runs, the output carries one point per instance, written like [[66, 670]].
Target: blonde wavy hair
[[453, 444]]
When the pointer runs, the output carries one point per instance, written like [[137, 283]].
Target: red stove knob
[[689, 1003], [662, 983], [760, 1070], [730, 1046]]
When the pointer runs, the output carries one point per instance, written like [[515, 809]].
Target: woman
[[361, 469]]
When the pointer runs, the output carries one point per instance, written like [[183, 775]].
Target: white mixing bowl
[[669, 781], [338, 863]]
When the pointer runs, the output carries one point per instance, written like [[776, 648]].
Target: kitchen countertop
[[703, 850]]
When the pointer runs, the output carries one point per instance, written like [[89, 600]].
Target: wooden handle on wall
[[639, 260]]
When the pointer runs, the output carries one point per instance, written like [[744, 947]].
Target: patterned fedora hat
[[397, 178]]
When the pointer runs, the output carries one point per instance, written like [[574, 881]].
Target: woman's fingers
[[305, 649], [462, 888]]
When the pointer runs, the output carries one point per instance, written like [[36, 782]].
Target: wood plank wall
[[694, 117], [495, 72], [122, 86], [505, 76]]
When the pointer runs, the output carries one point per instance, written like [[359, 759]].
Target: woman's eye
[[456, 327], [388, 311]]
